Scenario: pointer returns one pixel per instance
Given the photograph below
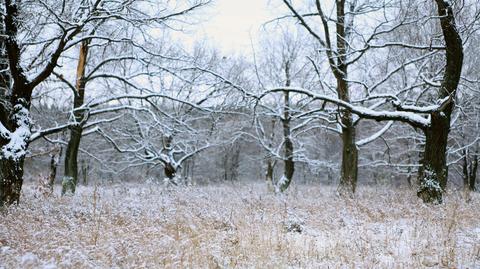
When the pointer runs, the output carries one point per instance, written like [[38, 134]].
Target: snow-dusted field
[[238, 226]]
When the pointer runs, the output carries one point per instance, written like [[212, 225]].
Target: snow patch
[[16, 148]]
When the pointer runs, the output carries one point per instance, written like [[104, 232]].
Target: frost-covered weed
[[238, 226]]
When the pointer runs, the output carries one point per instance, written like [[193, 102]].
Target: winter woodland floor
[[238, 226]]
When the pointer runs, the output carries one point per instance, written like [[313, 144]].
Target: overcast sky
[[231, 24]]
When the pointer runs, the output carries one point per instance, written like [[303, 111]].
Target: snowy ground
[[238, 226]]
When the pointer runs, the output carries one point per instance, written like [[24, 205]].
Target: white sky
[[230, 25]]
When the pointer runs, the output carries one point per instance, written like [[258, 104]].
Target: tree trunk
[[349, 171], [70, 178], [5, 78], [225, 165], [269, 158], [473, 174], [170, 173], [54, 158], [269, 174], [433, 172], [470, 166], [465, 169], [11, 180], [12, 152], [231, 162], [169, 169], [288, 162], [85, 169], [349, 167], [14, 116], [235, 162], [337, 59]]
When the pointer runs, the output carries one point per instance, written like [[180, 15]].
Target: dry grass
[[228, 226]]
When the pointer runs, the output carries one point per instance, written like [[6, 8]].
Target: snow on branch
[[367, 113], [375, 136]]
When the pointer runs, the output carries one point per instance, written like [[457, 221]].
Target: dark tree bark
[[70, 179], [269, 159], [170, 172], [54, 158], [337, 58], [235, 163], [11, 180], [5, 78], [349, 171], [473, 173], [433, 173], [231, 162], [269, 172], [470, 167], [465, 169], [14, 117], [288, 162], [169, 168], [85, 169]]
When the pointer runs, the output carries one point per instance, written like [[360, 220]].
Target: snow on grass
[[238, 226]]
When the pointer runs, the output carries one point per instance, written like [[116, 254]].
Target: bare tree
[[433, 170], [339, 57], [137, 55], [110, 40], [168, 126], [283, 65], [67, 22]]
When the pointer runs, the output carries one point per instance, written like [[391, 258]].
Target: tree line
[[401, 74]]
